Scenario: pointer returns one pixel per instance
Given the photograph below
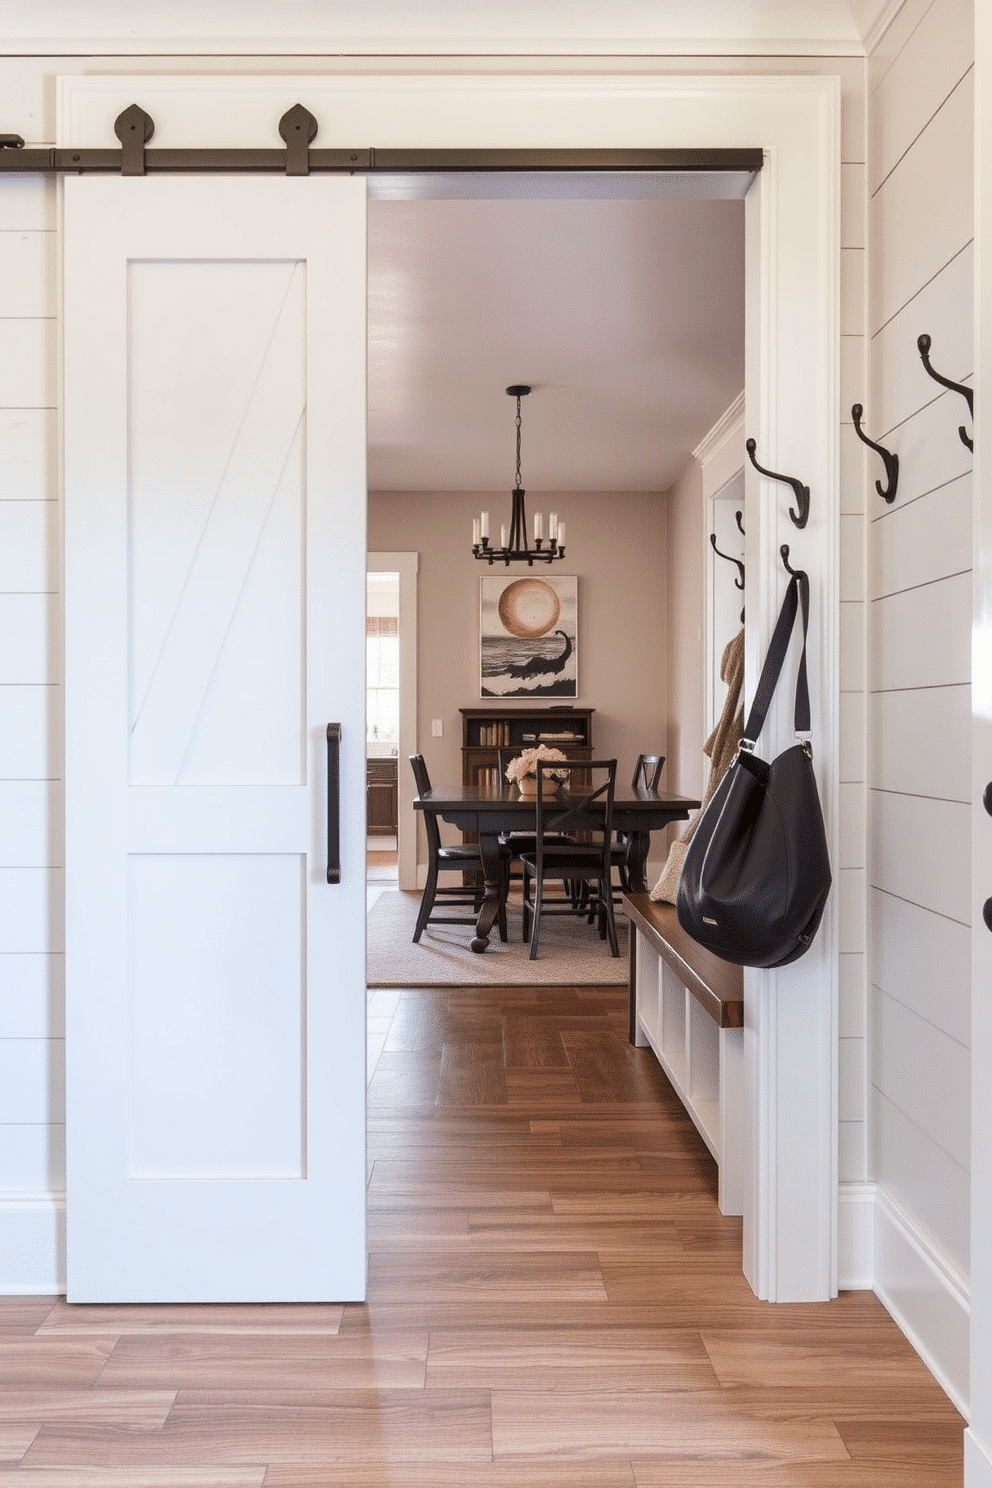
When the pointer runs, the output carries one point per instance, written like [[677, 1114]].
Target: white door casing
[[406, 565], [792, 218], [214, 449], [978, 1436]]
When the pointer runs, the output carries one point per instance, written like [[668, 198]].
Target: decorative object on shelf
[[923, 347], [891, 461], [513, 546], [528, 634], [522, 770], [801, 516]]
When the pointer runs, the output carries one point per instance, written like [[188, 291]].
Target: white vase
[[528, 785]]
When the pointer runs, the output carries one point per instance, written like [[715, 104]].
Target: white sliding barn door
[[215, 601]]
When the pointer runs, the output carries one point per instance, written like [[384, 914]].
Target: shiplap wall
[[31, 1052], [32, 1133], [920, 129]]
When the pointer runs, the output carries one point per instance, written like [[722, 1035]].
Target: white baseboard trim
[[856, 1236], [32, 1258], [977, 1463], [926, 1295]]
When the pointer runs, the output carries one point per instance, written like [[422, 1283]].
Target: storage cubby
[[688, 1008]]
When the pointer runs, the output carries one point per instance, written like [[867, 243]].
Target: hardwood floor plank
[[572, 1276], [15, 1438], [844, 1357], [122, 1409], [524, 1086], [23, 1314], [369, 1426], [405, 1081], [417, 1025], [569, 1359], [242, 1318], [531, 1042], [614, 1424], [296, 1362], [913, 1443], [130, 1477], [472, 1074], [396, 1192], [52, 1363], [735, 1474], [640, 1201], [464, 1475]]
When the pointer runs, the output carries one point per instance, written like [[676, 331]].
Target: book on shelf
[[493, 735]]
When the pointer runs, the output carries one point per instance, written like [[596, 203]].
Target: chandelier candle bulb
[[503, 537], [561, 534], [538, 526], [553, 525], [484, 525], [476, 532]]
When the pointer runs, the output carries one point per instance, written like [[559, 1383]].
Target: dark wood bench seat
[[716, 984]]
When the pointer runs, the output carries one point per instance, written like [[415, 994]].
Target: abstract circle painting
[[529, 608]]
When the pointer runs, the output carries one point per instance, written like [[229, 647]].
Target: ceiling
[[626, 316], [418, 28]]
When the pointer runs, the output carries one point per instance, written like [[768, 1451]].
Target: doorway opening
[[382, 730]]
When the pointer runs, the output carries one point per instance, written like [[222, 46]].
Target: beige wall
[[616, 546]]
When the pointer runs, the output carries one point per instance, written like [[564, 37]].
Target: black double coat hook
[[800, 516], [891, 461], [923, 346]]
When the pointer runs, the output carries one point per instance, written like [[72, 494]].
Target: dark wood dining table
[[488, 811]]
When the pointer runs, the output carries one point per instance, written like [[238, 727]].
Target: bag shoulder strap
[[796, 599]]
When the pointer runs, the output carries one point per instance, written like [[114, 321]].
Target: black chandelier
[[513, 544]]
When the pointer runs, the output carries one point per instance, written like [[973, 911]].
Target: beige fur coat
[[720, 748]]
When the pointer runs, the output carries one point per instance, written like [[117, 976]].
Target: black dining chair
[[574, 798], [647, 773], [518, 842], [464, 858]]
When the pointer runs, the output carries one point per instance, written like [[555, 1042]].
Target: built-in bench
[[688, 1006]]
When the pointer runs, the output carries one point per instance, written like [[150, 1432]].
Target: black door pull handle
[[333, 804]]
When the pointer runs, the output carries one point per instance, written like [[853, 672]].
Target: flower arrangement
[[526, 764]]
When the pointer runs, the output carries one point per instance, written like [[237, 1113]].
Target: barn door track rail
[[298, 129]]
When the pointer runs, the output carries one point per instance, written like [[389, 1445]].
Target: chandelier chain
[[517, 482]]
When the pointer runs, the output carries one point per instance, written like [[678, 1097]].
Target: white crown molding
[[441, 28], [885, 12], [728, 426]]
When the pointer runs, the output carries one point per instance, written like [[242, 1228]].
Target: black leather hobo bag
[[757, 873]]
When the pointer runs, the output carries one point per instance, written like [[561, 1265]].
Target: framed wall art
[[528, 638]]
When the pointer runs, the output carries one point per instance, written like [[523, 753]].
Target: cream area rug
[[570, 954]]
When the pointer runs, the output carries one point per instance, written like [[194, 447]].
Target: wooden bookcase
[[486, 730]]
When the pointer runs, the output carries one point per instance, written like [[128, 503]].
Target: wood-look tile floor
[[555, 1301]]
